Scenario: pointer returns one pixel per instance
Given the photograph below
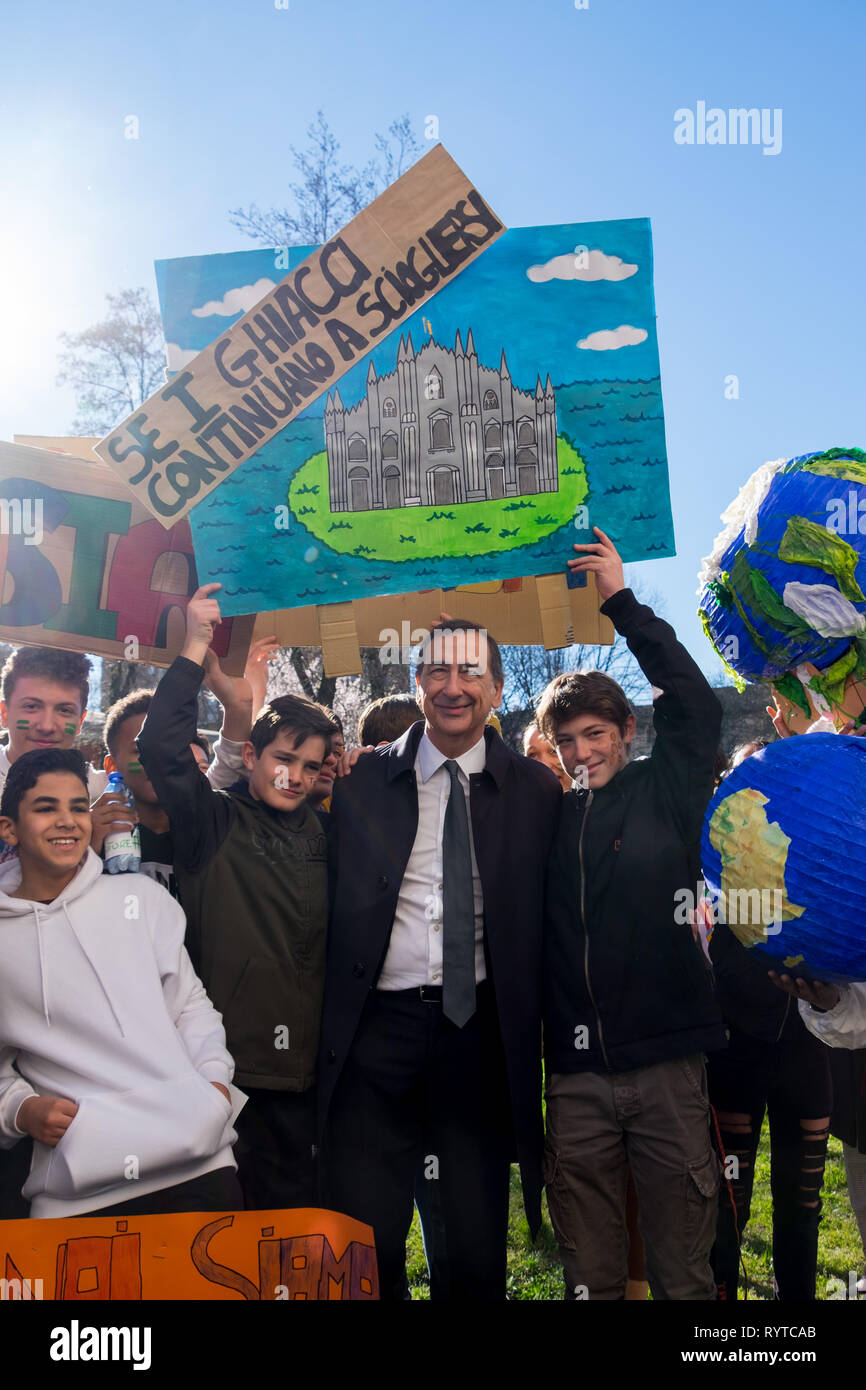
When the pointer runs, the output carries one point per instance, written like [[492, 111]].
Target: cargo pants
[[654, 1121]]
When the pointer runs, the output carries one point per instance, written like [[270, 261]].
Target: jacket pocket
[[704, 1176], [265, 1019], [702, 1180], [120, 1135]]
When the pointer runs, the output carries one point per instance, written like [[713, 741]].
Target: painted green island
[[455, 530]]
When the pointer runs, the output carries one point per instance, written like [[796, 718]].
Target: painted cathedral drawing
[[440, 430]]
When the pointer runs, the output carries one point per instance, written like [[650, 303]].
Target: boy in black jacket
[[252, 874], [628, 1002]]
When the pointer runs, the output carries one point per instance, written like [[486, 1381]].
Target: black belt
[[428, 994]]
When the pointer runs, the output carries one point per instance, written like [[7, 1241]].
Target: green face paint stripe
[[70, 728], [22, 723], [134, 767]]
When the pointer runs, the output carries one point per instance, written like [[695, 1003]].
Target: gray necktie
[[458, 908]]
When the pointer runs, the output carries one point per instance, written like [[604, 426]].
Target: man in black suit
[[431, 1032]]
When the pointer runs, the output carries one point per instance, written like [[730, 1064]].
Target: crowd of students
[[329, 981]]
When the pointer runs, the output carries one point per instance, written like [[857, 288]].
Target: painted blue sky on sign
[[573, 300]]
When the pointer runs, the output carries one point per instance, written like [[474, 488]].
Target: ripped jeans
[[790, 1080]]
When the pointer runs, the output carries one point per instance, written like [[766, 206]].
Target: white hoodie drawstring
[[41, 965]]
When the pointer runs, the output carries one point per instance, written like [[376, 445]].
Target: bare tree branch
[[113, 366], [328, 193]]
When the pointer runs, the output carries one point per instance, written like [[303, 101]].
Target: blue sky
[[551, 312], [558, 114]]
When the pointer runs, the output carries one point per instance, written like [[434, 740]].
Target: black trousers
[[274, 1150], [14, 1172], [790, 1080], [421, 1098], [217, 1190]]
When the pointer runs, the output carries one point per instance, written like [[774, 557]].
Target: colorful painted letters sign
[[84, 566]]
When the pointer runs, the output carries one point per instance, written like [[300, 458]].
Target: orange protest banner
[[301, 337], [257, 1256]]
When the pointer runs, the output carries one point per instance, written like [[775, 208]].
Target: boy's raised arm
[[200, 817], [687, 714]]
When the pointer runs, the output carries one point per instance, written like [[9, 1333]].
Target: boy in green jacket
[[252, 875]]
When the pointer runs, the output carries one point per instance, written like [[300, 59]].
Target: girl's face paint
[[133, 766]]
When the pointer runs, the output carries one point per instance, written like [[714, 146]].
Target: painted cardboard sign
[[258, 1256], [477, 443], [300, 336], [84, 566], [542, 610]]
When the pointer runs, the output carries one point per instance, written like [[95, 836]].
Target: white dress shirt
[[414, 955]]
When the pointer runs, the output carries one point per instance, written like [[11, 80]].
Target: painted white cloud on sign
[[177, 357], [607, 338], [582, 264], [236, 301]]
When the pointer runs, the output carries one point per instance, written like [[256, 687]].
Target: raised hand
[[109, 811], [260, 655], [816, 992], [602, 557], [350, 757], [202, 616], [777, 715]]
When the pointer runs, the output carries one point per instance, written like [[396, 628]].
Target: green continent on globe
[[754, 852], [454, 530]]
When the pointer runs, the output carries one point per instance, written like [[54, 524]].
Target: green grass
[[534, 1272], [456, 530]]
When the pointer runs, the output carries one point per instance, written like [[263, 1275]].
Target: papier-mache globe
[[783, 595], [783, 849]]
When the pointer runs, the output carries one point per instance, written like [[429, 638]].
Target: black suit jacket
[[514, 806]]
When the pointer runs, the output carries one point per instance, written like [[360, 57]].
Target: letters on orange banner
[[257, 1256]]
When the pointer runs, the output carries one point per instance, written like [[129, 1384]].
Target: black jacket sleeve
[[687, 715], [200, 817]]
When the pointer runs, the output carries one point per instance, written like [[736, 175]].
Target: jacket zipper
[[784, 1017], [586, 933]]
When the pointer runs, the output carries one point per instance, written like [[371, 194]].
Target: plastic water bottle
[[122, 847]]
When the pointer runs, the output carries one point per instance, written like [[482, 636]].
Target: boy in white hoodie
[[111, 1054]]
